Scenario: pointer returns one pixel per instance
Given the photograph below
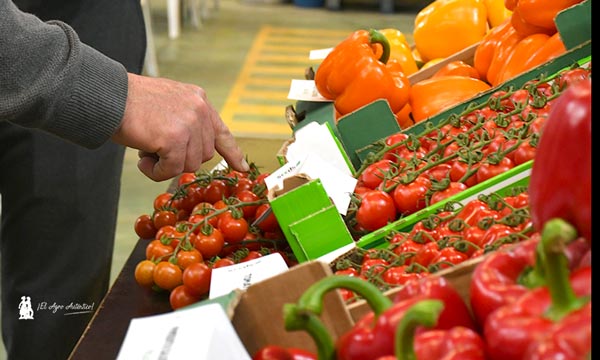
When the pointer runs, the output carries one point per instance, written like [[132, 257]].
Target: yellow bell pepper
[[445, 27], [400, 50], [496, 12]]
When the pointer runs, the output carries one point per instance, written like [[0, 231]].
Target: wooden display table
[[124, 301]]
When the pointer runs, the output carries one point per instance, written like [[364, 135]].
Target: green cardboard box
[[310, 221]]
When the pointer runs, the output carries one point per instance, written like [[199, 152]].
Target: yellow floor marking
[[256, 103]]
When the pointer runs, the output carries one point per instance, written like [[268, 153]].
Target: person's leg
[[59, 211]]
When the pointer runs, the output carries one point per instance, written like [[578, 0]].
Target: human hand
[[174, 127]]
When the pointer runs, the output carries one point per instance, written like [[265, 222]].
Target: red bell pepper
[[507, 274], [457, 343], [372, 336], [561, 176], [275, 352], [552, 321]]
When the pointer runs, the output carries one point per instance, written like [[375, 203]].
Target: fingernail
[[245, 166]]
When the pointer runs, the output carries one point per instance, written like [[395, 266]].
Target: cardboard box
[[308, 218], [258, 315]]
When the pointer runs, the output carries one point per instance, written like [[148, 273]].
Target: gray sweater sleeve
[[51, 81]]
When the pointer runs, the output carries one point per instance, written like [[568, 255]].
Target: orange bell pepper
[[353, 76], [484, 53], [526, 28], [530, 52], [445, 27], [400, 50], [540, 13], [520, 54], [496, 12], [505, 47], [404, 117], [431, 96], [457, 67], [551, 49]]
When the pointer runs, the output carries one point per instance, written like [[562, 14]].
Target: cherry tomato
[[242, 184], [270, 222], [452, 189], [186, 178], [375, 173], [156, 250], [524, 153], [252, 254], [164, 201], [222, 262], [181, 297], [488, 170], [186, 258], [163, 218], [144, 273], [209, 242], [216, 190], [196, 278], [397, 275], [233, 229], [247, 196], [144, 227], [376, 210], [411, 197], [167, 275], [448, 257]]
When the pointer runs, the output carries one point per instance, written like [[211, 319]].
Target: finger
[[226, 145]]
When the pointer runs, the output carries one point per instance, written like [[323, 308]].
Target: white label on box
[[201, 332], [319, 54], [240, 276], [305, 90]]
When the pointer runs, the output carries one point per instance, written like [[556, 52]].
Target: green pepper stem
[[424, 312], [297, 319], [555, 235], [312, 299], [378, 38]]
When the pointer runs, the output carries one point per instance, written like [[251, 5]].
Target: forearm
[[51, 81]]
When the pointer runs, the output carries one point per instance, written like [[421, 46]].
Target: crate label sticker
[[241, 276]]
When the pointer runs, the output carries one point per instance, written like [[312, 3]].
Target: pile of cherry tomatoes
[[209, 220], [453, 235], [409, 172]]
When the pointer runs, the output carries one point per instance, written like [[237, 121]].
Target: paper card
[[337, 184], [315, 138], [319, 54], [202, 332], [305, 90], [240, 276]]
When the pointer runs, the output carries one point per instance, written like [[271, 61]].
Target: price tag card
[[305, 90], [240, 276], [319, 54], [202, 332]]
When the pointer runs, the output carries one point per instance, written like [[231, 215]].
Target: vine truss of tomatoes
[[407, 172], [454, 234], [209, 220]]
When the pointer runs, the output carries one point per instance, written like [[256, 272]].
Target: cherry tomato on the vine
[[144, 227], [376, 210], [181, 297], [167, 275], [196, 278], [144, 273]]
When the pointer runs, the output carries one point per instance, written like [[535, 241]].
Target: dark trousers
[[60, 202], [59, 210]]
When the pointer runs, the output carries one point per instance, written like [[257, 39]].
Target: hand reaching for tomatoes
[[175, 128]]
